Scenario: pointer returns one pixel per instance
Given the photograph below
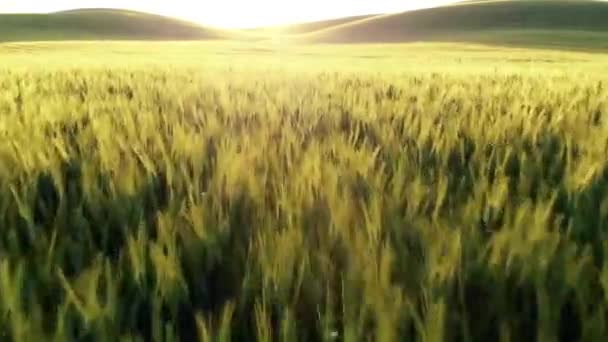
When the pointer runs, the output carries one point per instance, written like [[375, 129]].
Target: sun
[[259, 13], [239, 14]]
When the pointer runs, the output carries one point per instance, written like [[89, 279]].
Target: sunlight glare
[[232, 13]]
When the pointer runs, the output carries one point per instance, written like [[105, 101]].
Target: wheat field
[[147, 194]]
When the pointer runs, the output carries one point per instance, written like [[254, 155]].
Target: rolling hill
[[577, 24], [100, 24], [547, 22], [312, 26]]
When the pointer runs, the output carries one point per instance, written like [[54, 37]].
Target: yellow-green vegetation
[[226, 192]]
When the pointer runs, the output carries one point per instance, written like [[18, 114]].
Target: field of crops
[[258, 198]]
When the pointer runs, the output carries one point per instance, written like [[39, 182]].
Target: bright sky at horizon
[[231, 13]]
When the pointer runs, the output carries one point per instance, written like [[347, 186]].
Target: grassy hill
[[313, 26], [540, 23], [99, 24], [572, 23]]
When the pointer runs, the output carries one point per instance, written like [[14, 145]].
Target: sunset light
[[233, 13], [310, 170]]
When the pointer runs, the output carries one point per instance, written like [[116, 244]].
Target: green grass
[[237, 192], [100, 25], [367, 59]]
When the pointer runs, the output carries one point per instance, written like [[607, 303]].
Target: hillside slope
[[533, 21], [99, 24], [312, 26]]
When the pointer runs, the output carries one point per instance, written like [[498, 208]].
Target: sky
[[231, 13]]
